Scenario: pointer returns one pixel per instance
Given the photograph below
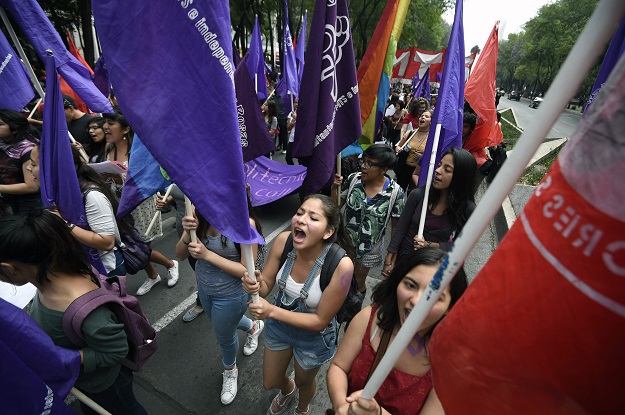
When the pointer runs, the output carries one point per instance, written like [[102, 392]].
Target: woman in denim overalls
[[301, 320]]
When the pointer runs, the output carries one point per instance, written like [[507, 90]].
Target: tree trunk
[[84, 7]]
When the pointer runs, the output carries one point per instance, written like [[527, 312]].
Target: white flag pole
[[20, 51], [250, 265], [35, 108], [89, 402], [338, 171], [428, 182], [153, 222], [586, 50]]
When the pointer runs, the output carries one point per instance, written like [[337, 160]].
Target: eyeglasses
[[93, 127], [367, 164]]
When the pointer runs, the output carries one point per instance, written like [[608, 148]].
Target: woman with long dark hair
[[450, 203], [408, 388], [410, 149], [40, 249], [17, 139], [119, 135], [219, 269], [301, 321]]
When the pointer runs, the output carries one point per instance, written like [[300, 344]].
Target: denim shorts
[[310, 348]]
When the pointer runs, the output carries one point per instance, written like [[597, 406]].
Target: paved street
[[564, 126]]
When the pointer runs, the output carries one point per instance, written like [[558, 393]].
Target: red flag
[[74, 51], [541, 329], [480, 94]]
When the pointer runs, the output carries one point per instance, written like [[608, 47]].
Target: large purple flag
[[299, 51], [614, 52], [35, 374], [450, 103], [422, 89], [42, 36], [145, 177], [101, 77], [170, 64], [256, 61], [255, 139], [15, 88], [329, 108], [271, 180], [289, 67], [57, 175]]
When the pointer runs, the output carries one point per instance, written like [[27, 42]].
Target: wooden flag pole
[[428, 182], [586, 50], [89, 402], [188, 211], [338, 171]]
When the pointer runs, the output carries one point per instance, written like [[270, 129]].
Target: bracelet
[[386, 265], [70, 226], [429, 244]]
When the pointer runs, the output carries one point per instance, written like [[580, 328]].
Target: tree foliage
[[530, 60]]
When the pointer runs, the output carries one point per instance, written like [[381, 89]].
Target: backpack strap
[[80, 308], [391, 202], [332, 259]]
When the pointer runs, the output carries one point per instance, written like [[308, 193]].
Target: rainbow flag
[[374, 73]]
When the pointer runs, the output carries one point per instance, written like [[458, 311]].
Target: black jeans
[[118, 399]]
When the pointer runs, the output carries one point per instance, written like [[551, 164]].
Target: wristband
[[429, 244], [70, 226], [385, 264]]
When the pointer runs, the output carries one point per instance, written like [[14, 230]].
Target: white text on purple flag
[[210, 38]]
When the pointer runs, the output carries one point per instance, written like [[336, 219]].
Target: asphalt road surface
[[564, 126]]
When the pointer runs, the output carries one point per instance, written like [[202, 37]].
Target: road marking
[[172, 314]]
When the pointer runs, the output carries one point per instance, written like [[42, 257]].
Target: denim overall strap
[[286, 270], [288, 266]]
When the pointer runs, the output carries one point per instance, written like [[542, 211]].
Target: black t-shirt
[[78, 129]]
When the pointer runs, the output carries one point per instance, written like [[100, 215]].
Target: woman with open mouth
[[450, 203], [301, 321], [408, 389]]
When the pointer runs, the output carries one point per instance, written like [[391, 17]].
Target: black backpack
[[353, 302]]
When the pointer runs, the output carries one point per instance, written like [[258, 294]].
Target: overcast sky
[[480, 17]]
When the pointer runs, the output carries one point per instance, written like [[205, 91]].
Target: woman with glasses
[[372, 199], [96, 150]]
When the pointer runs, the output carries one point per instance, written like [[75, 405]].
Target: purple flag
[[329, 108], [256, 61], [35, 374], [614, 52], [271, 180], [289, 68], [15, 88], [422, 89], [42, 36], [439, 76], [301, 47], [145, 177], [57, 174], [415, 81], [283, 92], [101, 77], [176, 88], [450, 102], [255, 139]]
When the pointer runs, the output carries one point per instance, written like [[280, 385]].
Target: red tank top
[[401, 393]]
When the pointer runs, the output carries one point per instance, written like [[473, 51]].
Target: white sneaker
[[229, 387], [251, 343], [172, 274], [148, 284]]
